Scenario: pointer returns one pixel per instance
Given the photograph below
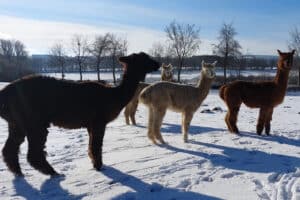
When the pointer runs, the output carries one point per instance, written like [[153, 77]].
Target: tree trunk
[[80, 72], [179, 69], [98, 73], [225, 68], [62, 72], [98, 70], [299, 75], [113, 68]]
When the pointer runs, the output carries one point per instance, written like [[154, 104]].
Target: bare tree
[[157, 51], [59, 57], [184, 40], [117, 47], [228, 47], [7, 49], [80, 49], [99, 48], [14, 60], [294, 43], [20, 55]]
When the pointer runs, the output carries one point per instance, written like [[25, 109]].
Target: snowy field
[[214, 164], [185, 75]]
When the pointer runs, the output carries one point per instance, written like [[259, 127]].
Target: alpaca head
[[208, 69], [139, 64], [285, 60], [167, 71]]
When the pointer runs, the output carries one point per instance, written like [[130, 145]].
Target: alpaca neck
[[281, 79], [127, 88], [204, 85]]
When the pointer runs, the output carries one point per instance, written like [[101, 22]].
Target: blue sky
[[262, 25]]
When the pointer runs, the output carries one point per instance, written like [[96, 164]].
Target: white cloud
[[262, 46], [39, 36]]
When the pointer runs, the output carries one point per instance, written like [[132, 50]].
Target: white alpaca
[[185, 99], [131, 107], [167, 72]]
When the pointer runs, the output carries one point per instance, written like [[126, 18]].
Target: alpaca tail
[[222, 91], [145, 96], [4, 112]]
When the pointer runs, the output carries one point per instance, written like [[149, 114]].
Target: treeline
[[101, 52], [14, 60], [98, 56]]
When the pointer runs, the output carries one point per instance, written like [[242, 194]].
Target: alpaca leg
[[36, 156], [227, 121], [157, 122], [151, 125], [186, 120], [261, 121], [126, 114], [232, 119], [96, 135], [11, 149], [268, 121], [133, 111]]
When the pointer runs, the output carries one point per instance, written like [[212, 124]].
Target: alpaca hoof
[[154, 142], [19, 175], [57, 175], [258, 133], [162, 142], [98, 167]]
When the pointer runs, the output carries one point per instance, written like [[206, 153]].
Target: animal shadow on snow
[[50, 189], [146, 191], [243, 159], [273, 138], [176, 128]]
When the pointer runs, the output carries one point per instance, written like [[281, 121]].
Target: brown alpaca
[[264, 95], [31, 104], [181, 98], [131, 107]]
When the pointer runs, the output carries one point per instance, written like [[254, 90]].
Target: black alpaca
[[30, 104]]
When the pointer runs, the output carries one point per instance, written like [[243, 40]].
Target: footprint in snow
[[202, 173], [120, 180], [184, 184], [207, 179], [258, 184], [245, 142], [231, 174], [274, 177]]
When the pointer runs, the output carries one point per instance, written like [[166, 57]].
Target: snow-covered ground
[[214, 164]]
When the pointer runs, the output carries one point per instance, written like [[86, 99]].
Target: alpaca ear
[[163, 65], [124, 59], [202, 63], [214, 63], [279, 52]]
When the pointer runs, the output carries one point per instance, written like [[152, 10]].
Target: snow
[[214, 164], [156, 75]]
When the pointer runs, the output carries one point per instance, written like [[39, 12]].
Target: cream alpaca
[[167, 73], [181, 98], [131, 107]]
